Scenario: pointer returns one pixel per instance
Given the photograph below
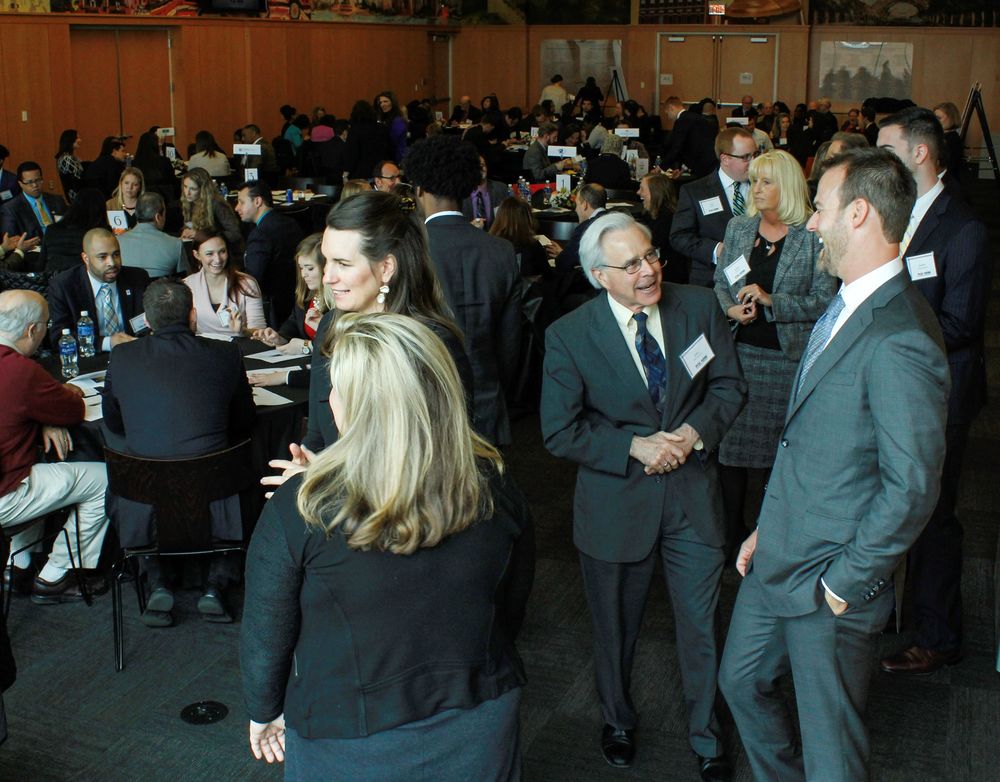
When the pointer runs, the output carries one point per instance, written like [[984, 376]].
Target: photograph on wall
[[575, 61], [855, 70]]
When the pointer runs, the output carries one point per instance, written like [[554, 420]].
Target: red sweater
[[29, 399]]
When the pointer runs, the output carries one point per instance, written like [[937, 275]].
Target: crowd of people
[[697, 347]]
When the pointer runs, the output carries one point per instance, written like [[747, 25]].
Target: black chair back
[[616, 194], [557, 230], [300, 182], [333, 191]]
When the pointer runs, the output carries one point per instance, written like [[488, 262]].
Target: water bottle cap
[[65, 331], [84, 312]]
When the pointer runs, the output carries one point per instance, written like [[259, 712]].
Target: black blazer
[[695, 234], [61, 247], [610, 171], [270, 259], [569, 258], [331, 159], [17, 217], [366, 145], [70, 292], [959, 295], [692, 143], [676, 267], [482, 285], [103, 173]]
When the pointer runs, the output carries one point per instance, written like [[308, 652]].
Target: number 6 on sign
[[118, 221]]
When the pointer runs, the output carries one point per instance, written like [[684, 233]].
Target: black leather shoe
[[19, 579], [715, 769], [212, 607], [618, 746]]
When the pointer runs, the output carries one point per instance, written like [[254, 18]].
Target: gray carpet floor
[[73, 718]]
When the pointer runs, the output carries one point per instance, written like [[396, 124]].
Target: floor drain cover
[[204, 712]]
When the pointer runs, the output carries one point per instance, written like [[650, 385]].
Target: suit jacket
[[569, 258], [959, 295], [610, 171], [692, 143], [209, 407], [8, 184], [846, 507], [536, 160], [695, 234], [482, 285], [594, 401], [103, 173], [265, 161], [801, 291], [17, 216], [61, 247], [270, 259], [497, 192], [70, 292], [147, 247]]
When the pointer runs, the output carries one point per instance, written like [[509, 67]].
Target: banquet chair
[[180, 491], [622, 194]]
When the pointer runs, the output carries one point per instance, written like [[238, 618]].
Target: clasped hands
[[663, 452], [748, 297]]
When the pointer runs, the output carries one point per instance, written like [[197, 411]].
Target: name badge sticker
[[6, 195], [697, 356], [709, 206], [223, 313], [737, 270], [921, 267]]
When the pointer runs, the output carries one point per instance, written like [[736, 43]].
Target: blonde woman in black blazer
[[770, 289]]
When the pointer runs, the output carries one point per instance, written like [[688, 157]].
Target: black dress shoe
[[618, 746], [715, 769], [19, 579], [212, 607]]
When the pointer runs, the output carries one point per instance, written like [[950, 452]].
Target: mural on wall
[[855, 70], [943, 13]]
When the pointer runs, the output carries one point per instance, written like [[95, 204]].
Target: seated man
[[32, 212], [482, 203], [146, 246], [590, 202], [112, 295], [209, 407], [105, 171], [35, 411]]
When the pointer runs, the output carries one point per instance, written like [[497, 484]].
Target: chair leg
[[118, 625]]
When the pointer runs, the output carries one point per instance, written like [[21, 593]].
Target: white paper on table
[[93, 412], [543, 240], [264, 398], [220, 337], [91, 383], [274, 356], [613, 204]]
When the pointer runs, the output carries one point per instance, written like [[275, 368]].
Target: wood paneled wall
[[229, 72]]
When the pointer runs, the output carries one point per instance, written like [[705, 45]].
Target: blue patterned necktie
[[109, 312], [819, 337], [739, 205], [651, 358]]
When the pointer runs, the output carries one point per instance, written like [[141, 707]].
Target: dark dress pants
[[616, 594]]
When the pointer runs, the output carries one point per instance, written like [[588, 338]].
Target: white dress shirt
[[920, 207], [95, 286]]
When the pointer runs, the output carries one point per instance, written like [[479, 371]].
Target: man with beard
[[855, 480]]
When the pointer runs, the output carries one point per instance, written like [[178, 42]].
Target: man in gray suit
[[639, 387], [146, 246], [854, 482]]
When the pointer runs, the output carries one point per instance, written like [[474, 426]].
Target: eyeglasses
[[392, 176], [652, 257], [30, 182], [745, 158]]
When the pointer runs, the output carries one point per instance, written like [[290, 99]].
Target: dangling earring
[[382, 291]]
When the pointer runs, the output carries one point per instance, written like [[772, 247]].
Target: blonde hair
[[793, 192], [310, 248], [354, 186], [201, 214], [404, 473], [115, 203]]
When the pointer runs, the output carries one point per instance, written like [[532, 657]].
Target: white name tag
[[563, 182], [223, 313], [696, 357], [556, 151], [921, 267], [6, 195], [709, 206], [250, 174], [737, 270], [117, 221], [627, 132], [246, 149], [138, 324], [782, 142]]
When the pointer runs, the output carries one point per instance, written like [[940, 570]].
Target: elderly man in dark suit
[[691, 141], [270, 253], [33, 211], [478, 274], [208, 407], [110, 293], [639, 386], [854, 482], [947, 255], [705, 206]]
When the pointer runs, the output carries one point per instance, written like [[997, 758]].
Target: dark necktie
[[739, 205], [651, 358], [480, 205]]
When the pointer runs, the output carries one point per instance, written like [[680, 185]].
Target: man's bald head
[[23, 315], [101, 254]]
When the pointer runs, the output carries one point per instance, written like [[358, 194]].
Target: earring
[[382, 291]]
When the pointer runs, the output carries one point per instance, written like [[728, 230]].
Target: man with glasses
[[386, 175], [32, 212], [705, 206], [639, 386]]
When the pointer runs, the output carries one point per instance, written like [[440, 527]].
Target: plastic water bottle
[[85, 334], [510, 191], [547, 194], [223, 189], [657, 163], [288, 196], [67, 355], [525, 190]]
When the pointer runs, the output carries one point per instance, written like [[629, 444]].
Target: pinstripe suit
[[854, 482]]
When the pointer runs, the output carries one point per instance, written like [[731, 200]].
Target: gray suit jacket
[[801, 291], [497, 191], [594, 401], [537, 161], [858, 467], [147, 247]]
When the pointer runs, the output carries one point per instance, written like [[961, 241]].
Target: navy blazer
[[594, 401], [695, 234], [70, 292], [17, 217], [8, 184], [270, 259], [959, 295]]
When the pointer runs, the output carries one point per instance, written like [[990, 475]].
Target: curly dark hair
[[444, 166]]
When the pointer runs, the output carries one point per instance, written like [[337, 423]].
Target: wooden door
[[440, 70], [747, 66], [687, 62], [144, 81], [94, 54]]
